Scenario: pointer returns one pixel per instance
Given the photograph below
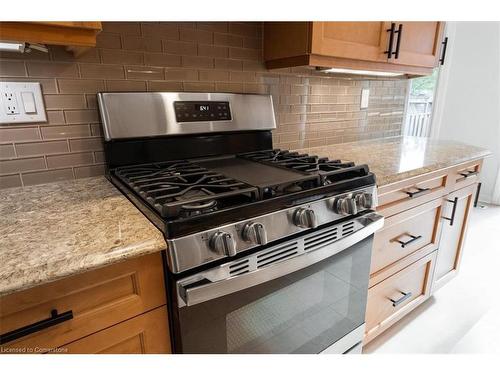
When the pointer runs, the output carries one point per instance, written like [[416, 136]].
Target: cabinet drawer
[[465, 174], [412, 192], [85, 303], [406, 236], [396, 296], [145, 334]]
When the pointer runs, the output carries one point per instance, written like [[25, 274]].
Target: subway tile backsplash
[[312, 108]]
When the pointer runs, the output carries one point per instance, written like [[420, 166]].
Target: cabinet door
[[453, 234], [145, 334], [420, 43], [351, 40]]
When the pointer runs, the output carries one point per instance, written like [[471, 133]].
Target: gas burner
[[329, 170], [184, 189], [198, 208]]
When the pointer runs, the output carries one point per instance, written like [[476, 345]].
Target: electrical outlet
[[365, 95], [22, 102], [10, 103]]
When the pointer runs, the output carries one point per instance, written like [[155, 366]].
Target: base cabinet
[[120, 308], [420, 247], [144, 334], [457, 207]]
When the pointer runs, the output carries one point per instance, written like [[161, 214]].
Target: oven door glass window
[[302, 312]]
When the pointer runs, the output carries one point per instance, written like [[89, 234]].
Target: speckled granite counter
[[395, 159], [59, 229], [54, 230]]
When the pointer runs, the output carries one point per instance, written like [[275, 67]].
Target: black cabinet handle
[[38, 326], [468, 174], [398, 42], [420, 191], [391, 39], [453, 211], [413, 239], [443, 55], [476, 199], [402, 299]]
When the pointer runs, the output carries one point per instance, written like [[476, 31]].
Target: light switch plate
[[365, 95], [22, 102]]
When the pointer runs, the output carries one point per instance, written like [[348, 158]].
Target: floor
[[464, 315]]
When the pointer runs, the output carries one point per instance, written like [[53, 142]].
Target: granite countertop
[[59, 229], [55, 230], [397, 158]]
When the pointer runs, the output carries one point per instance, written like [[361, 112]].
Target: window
[[419, 105]]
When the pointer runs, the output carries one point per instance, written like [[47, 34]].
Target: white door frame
[[495, 199], [442, 81]]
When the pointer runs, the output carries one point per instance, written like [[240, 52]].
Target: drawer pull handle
[[468, 174], [420, 191], [38, 326], [453, 211], [401, 300], [413, 239]]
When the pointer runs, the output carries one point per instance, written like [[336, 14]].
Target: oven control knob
[[363, 200], [345, 206], [255, 233], [305, 218], [223, 242]]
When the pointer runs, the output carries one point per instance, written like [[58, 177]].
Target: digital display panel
[[202, 107], [191, 111]]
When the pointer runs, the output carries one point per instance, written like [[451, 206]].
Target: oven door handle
[[192, 295]]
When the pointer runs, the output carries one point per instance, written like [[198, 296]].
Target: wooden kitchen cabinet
[[145, 334], [418, 206], [73, 34], [354, 45], [396, 296], [420, 43], [405, 238], [465, 175], [84, 304], [412, 192], [350, 40], [457, 207]]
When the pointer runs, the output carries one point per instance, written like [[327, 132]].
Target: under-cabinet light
[[361, 72], [12, 47], [22, 47]]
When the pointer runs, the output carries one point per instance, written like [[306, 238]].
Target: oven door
[[301, 296]]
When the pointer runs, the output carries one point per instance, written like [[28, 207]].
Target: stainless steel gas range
[[268, 250]]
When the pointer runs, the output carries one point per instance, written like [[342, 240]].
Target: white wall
[[468, 97]]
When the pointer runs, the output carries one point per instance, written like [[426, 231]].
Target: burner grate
[[329, 170], [183, 189]]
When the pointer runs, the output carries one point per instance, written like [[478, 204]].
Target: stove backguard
[[156, 114], [154, 127]]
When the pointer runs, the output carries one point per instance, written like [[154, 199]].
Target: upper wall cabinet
[[419, 43], [79, 34], [351, 40], [402, 47]]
